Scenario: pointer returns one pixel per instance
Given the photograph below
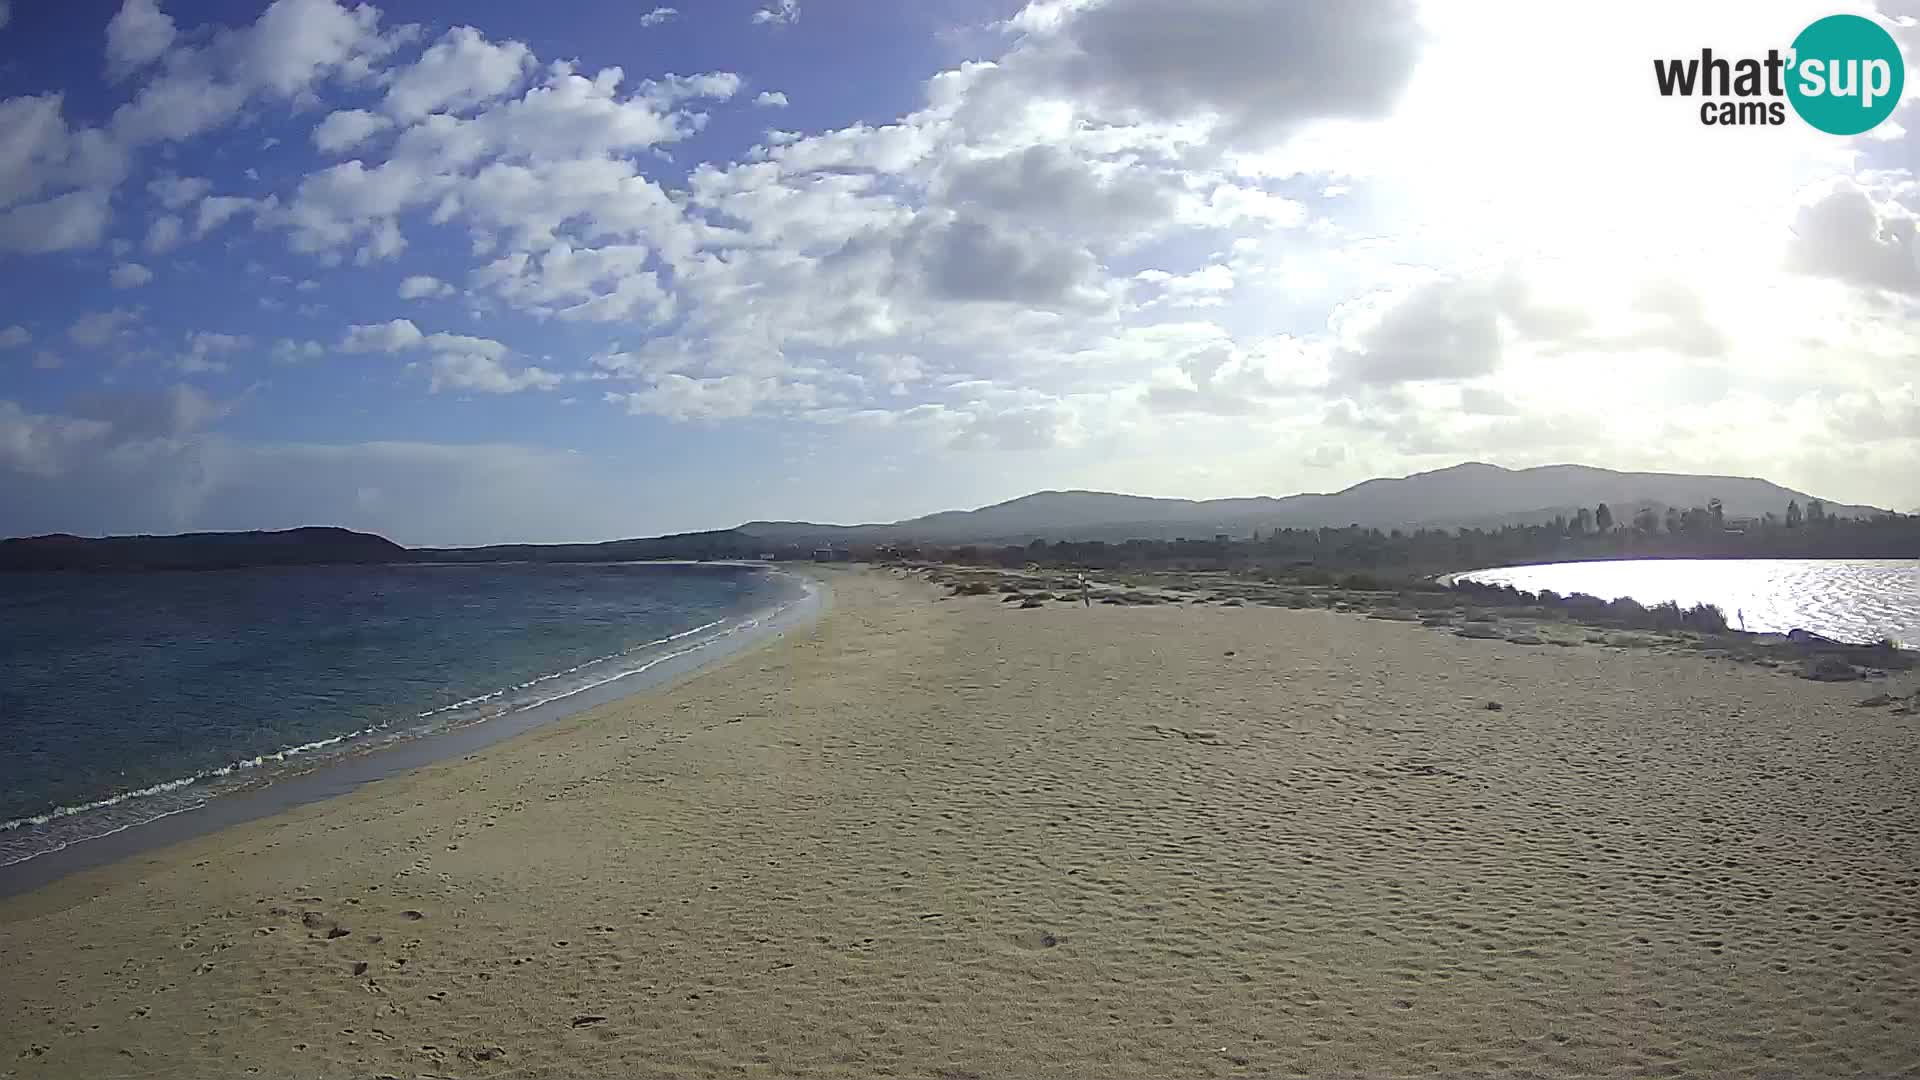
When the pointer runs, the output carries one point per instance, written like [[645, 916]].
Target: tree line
[[1596, 533]]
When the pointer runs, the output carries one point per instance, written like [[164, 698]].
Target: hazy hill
[[198, 551], [725, 544], [1469, 494]]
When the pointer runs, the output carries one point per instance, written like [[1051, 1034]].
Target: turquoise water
[[1848, 599], [127, 697]]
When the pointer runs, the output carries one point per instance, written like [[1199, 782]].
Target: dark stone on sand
[[585, 1021], [338, 932], [360, 968], [412, 916], [1494, 706]]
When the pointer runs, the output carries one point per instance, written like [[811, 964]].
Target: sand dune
[[952, 838]]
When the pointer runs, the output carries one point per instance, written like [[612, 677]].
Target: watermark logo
[[1843, 75]]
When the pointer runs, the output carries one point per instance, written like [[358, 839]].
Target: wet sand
[[953, 837]]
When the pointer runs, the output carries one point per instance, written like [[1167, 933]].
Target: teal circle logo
[[1847, 74]]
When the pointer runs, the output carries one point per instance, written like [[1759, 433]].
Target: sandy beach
[[950, 837]]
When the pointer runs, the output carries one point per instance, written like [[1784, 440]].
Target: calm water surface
[[1849, 599]]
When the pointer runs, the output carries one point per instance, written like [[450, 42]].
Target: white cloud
[[461, 343], [524, 165], [74, 221], [388, 337], [204, 349], [780, 11], [657, 16], [291, 47], [1016, 428], [130, 276], [1847, 235], [485, 374], [40, 153], [1059, 189], [772, 99], [289, 351], [347, 128], [461, 70], [457, 361], [594, 284], [1249, 73], [14, 337], [385, 242], [1442, 330], [36, 446], [959, 258], [1205, 287], [176, 192], [296, 42], [680, 397], [207, 341], [424, 287], [217, 210], [177, 105], [164, 234], [139, 35], [97, 328]]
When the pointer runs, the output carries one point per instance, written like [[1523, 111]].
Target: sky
[[499, 271]]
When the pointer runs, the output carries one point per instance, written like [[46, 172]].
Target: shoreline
[[945, 835], [355, 767]]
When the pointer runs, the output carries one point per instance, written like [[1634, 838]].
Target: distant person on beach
[[1086, 591]]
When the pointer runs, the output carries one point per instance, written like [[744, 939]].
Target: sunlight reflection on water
[[1849, 599]]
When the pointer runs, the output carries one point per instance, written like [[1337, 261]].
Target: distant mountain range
[[1473, 494]]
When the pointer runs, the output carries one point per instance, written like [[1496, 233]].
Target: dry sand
[[953, 838]]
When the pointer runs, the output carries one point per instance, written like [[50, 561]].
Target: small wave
[[495, 695], [100, 804], [156, 812]]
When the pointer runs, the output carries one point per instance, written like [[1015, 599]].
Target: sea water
[[1848, 599], [125, 698]]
